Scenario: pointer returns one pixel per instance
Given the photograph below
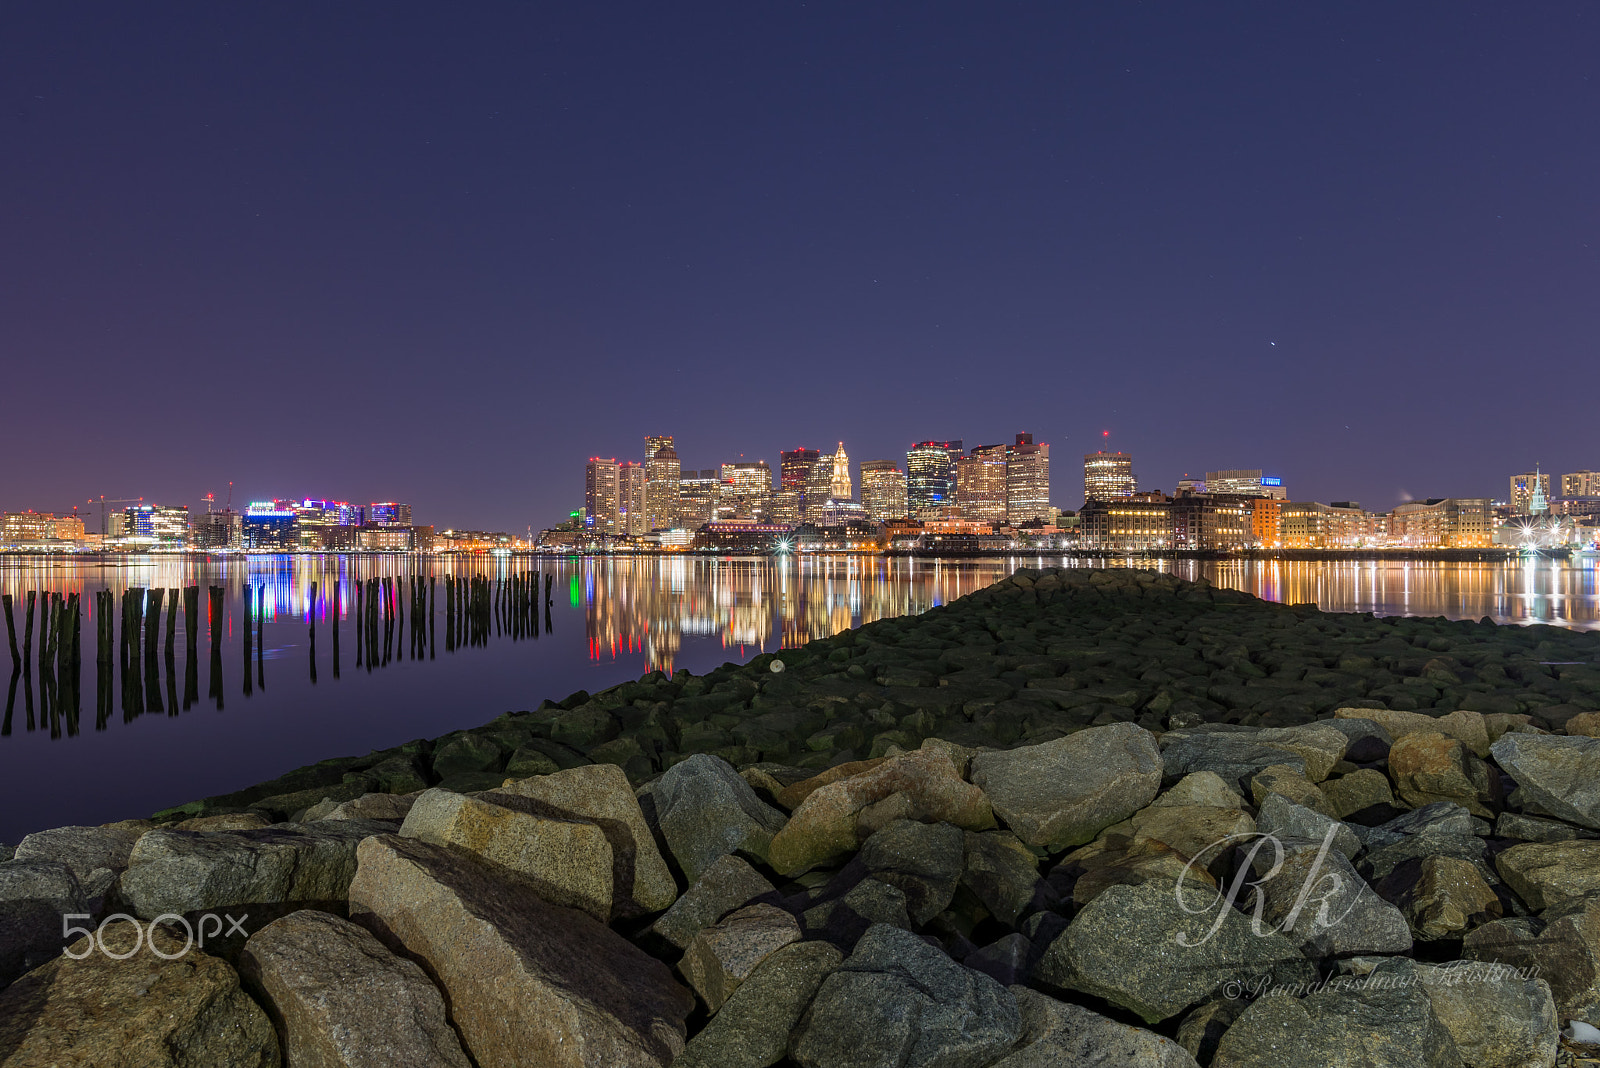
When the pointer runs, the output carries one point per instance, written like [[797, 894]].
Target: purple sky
[[443, 254]]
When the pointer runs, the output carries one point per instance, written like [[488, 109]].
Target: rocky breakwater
[[1148, 823]]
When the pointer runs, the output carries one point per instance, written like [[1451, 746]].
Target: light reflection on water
[[608, 619]]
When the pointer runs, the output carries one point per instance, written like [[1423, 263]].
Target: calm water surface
[[169, 730]]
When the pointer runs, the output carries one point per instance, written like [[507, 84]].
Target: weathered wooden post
[[152, 621], [11, 632], [248, 601], [27, 637], [172, 619]]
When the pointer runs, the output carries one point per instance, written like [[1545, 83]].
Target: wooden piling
[[11, 633]]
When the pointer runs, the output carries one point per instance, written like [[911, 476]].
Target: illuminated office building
[[819, 488], [883, 490], [981, 484], [661, 475], [602, 495], [389, 514], [1442, 523], [1027, 482], [1243, 482], [269, 527], [746, 490], [1108, 476], [697, 497], [795, 469], [219, 530], [1581, 484], [931, 475], [1522, 490], [631, 517]]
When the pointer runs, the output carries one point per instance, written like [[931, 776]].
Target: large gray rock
[[724, 886], [1152, 949], [34, 896], [1234, 757], [1562, 948], [923, 859], [569, 861], [1497, 1018], [340, 999], [190, 871], [526, 981], [704, 810], [1003, 875], [1062, 793], [1283, 819], [1384, 1020], [752, 1028], [1319, 902], [150, 1000], [1548, 873], [1056, 1034], [84, 849], [1556, 776], [723, 956], [897, 1002], [600, 794]]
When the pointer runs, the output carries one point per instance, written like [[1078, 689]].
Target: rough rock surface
[[568, 860], [752, 1028], [705, 810], [600, 794], [34, 896], [1562, 947], [1496, 1018], [1058, 1034], [187, 871], [1062, 793], [1557, 777], [897, 1001], [824, 825], [1548, 873], [1428, 767], [340, 999], [1151, 952], [724, 886], [160, 1006], [525, 980], [723, 956], [84, 849], [924, 860]]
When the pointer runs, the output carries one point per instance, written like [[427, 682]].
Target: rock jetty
[[1079, 817]]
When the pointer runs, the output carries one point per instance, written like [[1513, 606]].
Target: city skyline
[[1323, 243]]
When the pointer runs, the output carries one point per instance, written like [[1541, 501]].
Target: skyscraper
[[746, 490], [931, 475], [1027, 482], [389, 514], [981, 484], [697, 497], [631, 516], [1107, 476], [883, 490], [661, 475], [839, 485], [794, 471], [1581, 484], [601, 495]]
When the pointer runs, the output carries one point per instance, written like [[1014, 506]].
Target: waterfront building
[[267, 528], [40, 530], [981, 484], [1211, 521], [1245, 482], [1134, 523], [1581, 484], [631, 517], [697, 497], [156, 526], [741, 535], [1108, 476], [216, 531], [602, 495], [389, 514], [795, 470], [840, 487], [883, 490], [1310, 525], [1523, 487], [785, 506], [931, 475], [661, 476], [1266, 522], [1027, 481], [746, 491], [385, 537], [818, 490]]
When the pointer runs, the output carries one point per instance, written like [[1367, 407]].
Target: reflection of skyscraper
[[931, 474], [1027, 481], [883, 490], [601, 495], [661, 475], [1107, 475], [840, 488]]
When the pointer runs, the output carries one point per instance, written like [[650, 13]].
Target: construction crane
[[114, 500]]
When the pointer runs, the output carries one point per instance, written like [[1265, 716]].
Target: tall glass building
[[931, 474]]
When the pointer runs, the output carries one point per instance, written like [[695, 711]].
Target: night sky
[[443, 253]]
